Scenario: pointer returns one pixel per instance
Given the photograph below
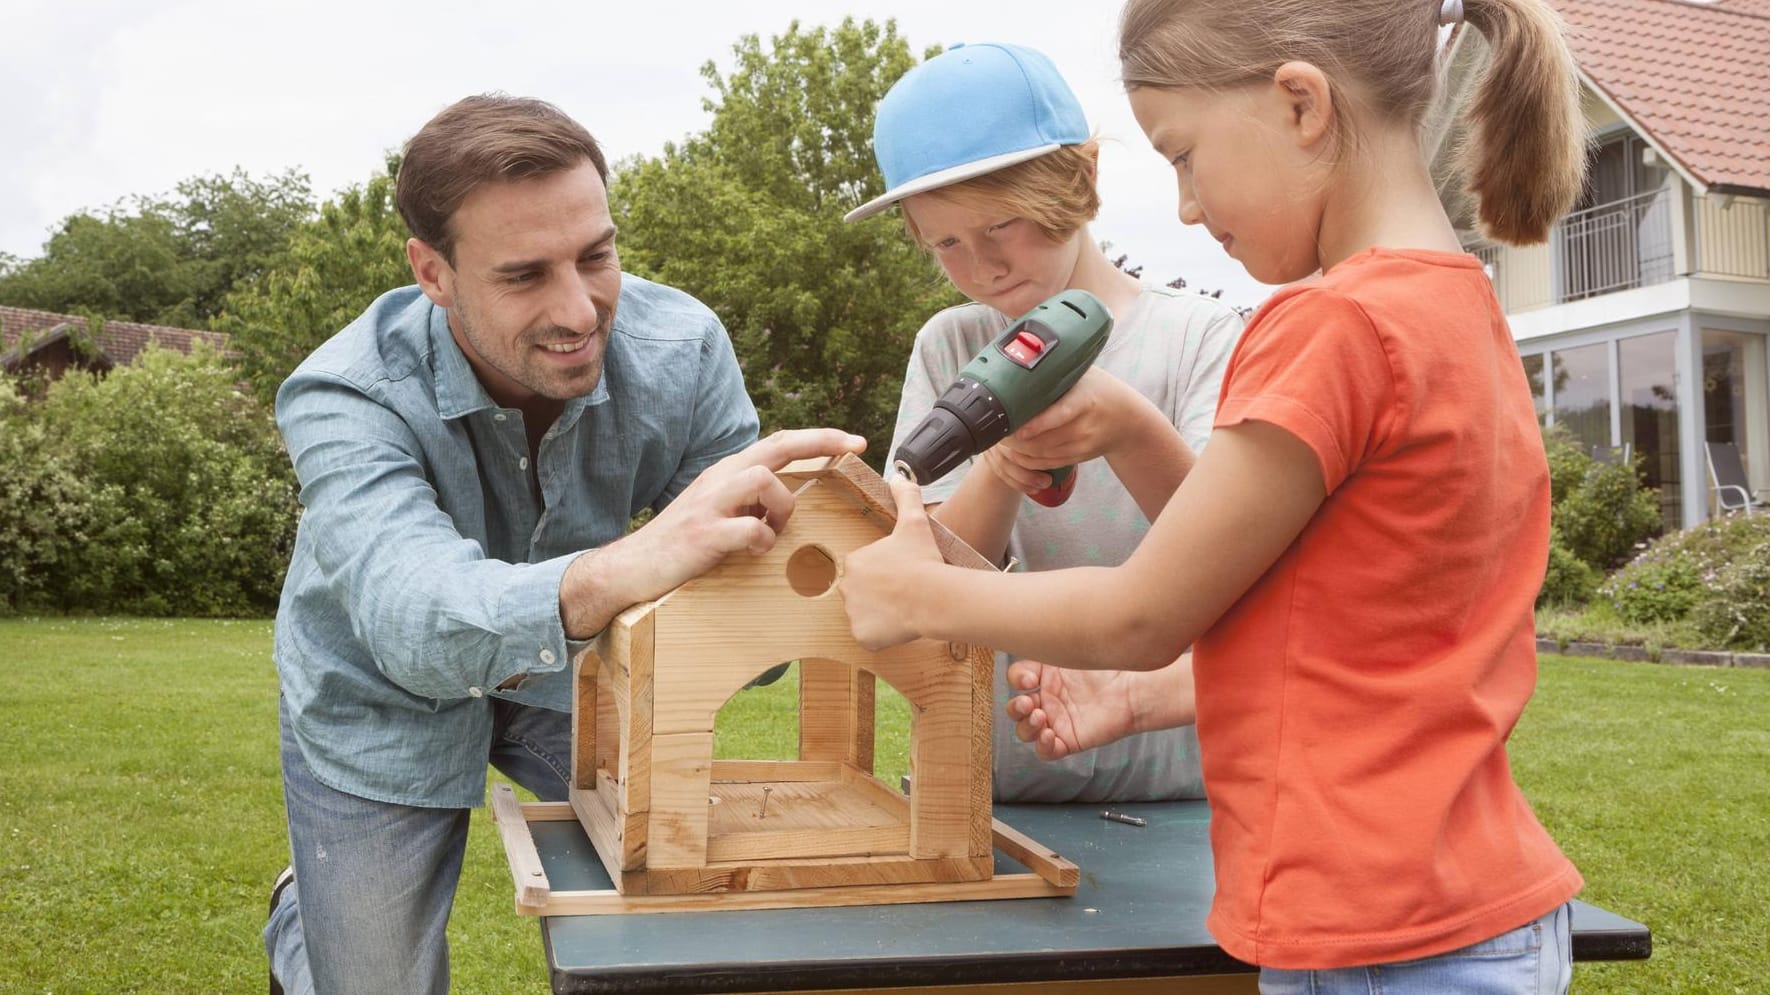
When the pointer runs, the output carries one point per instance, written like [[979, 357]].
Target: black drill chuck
[[967, 419]]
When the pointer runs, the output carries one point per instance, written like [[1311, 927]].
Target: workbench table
[[1135, 925]]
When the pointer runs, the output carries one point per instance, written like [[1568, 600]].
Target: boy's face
[[997, 259], [532, 291]]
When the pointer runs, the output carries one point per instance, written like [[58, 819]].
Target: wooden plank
[[549, 811], [1041, 860], [590, 903], [826, 709], [634, 804], [742, 771], [880, 793], [818, 872], [941, 807], [863, 726], [595, 812], [681, 780], [864, 841], [584, 719], [983, 710], [611, 724], [532, 889]]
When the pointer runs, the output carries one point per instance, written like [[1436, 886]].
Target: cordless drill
[[1020, 373]]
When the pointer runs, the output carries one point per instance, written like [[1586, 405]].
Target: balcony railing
[[1615, 246], [1733, 237], [1629, 243]]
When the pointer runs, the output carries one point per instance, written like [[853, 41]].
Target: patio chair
[[1733, 492]]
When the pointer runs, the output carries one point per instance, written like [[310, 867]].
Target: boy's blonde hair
[[1055, 191], [1525, 159]]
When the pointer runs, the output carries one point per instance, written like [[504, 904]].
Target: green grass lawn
[[141, 813]]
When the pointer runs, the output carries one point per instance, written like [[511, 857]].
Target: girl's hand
[[879, 581]]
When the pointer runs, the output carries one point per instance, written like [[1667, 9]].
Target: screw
[[1129, 820], [763, 814]]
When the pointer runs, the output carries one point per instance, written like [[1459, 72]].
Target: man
[[470, 452]]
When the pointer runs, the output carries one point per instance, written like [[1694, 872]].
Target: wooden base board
[[1051, 876]]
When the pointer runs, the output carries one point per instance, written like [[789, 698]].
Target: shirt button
[[476, 692], [500, 416], [522, 464], [547, 656]]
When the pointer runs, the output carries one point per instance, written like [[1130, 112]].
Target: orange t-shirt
[[1354, 704]]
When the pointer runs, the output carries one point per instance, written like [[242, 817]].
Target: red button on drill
[[1025, 348]]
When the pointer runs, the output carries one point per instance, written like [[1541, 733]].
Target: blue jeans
[[1534, 959], [374, 882]]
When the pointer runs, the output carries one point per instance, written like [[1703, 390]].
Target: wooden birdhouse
[[669, 821]]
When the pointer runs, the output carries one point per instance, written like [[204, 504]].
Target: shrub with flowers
[[1716, 574]]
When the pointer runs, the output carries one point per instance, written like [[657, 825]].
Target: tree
[[747, 216], [167, 260], [334, 267]]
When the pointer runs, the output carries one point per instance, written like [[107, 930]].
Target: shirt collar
[[458, 390]]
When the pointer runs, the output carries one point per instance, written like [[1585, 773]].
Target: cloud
[[122, 99]]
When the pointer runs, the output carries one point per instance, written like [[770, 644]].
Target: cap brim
[[945, 177]]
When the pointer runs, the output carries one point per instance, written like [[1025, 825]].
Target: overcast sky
[[105, 99]]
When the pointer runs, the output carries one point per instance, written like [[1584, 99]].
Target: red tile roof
[[1694, 76], [120, 340]]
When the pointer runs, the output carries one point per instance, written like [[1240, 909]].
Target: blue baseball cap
[[970, 110]]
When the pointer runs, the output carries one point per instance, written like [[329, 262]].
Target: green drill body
[[1023, 371]]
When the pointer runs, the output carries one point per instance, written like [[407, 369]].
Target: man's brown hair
[[489, 138]]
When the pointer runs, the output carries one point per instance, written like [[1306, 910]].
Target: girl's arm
[[1248, 498]]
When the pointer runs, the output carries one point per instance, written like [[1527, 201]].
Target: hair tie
[[1450, 12]]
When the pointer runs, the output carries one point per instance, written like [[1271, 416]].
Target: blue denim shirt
[[427, 564]]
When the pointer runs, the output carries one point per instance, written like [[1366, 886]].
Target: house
[[1643, 321], [52, 342]]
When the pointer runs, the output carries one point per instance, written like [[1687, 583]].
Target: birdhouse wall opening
[[766, 715], [812, 571]]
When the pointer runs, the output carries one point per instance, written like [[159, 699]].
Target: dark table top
[[1138, 912]]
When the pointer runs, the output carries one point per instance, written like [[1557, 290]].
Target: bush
[[1715, 574], [1600, 509], [44, 502], [1736, 612], [1569, 580], [161, 489]]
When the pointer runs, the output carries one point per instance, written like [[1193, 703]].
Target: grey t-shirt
[[1172, 347]]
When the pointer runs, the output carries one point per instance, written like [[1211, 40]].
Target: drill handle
[[1063, 484]]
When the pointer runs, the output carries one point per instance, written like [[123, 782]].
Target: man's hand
[[879, 580], [1064, 711], [737, 504]]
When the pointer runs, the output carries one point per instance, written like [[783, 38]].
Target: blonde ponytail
[[1525, 156]]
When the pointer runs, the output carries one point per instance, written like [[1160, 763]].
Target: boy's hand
[[880, 581], [1100, 416], [1063, 711]]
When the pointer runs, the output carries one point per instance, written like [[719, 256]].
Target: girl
[[1357, 554], [1004, 207]]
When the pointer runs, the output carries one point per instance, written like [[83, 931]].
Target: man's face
[[532, 292]]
